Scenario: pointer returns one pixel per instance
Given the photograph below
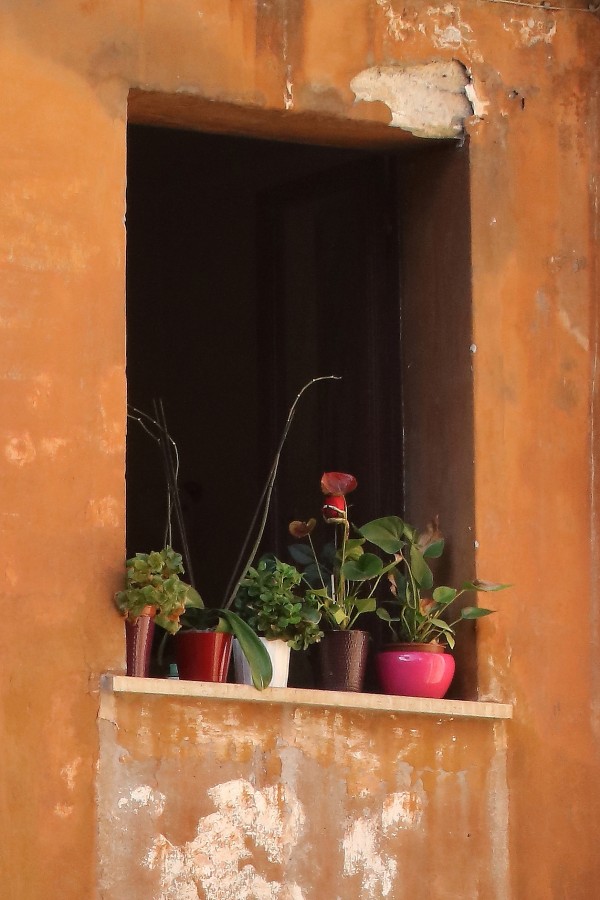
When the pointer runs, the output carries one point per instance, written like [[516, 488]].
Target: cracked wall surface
[[219, 800]]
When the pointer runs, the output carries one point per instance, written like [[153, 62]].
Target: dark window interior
[[254, 266]]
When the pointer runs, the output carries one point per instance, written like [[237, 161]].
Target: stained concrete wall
[[220, 799], [287, 68]]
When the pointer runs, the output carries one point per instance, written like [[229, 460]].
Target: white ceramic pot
[[279, 652]]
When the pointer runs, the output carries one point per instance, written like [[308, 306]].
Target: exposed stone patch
[[428, 100]]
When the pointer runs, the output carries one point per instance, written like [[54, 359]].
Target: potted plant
[[416, 664], [345, 579], [196, 621], [203, 646], [284, 614], [155, 594]]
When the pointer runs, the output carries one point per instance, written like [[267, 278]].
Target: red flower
[[302, 529], [334, 508], [337, 483]]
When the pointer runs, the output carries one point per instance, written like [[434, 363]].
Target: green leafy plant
[[415, 618], [349, 575], [153, 587], [225, 620], [276, 605]]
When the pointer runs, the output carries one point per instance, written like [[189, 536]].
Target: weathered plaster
[[532, 198], [428, 100], [323, 804]]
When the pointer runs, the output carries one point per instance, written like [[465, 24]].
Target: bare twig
[[265, 502]]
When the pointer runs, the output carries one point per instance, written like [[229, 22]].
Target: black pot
[[343, 660]]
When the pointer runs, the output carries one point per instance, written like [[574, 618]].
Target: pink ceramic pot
[[415, 670]]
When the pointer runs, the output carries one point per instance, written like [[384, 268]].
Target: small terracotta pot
[[415, 670], [138, 642], [343, 660], [203, 655]]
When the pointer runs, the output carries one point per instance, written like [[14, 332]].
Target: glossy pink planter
[[409, 671], [203, 655]]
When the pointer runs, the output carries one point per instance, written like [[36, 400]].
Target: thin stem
[[312, 547], [144, 420], [265, 500]]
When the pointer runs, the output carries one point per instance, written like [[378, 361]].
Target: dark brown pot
[[343, 660], [138, 641], [203, 655]]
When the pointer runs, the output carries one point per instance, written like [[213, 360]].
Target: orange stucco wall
[[66, 68]]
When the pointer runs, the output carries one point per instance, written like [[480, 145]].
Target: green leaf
[[486, 586], [193, 599], [338, 614], [384, 614], [475, 612], [252, 648], [444, 595], [434, 550], [439, 623], [365, 604], [385, 533], [421, 571], [353, 549], [301, 554], [364, 568], [309, 614]]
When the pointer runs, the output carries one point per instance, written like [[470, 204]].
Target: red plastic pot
[[203, 655]]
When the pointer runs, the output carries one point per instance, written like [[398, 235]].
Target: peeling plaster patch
[[288, 96], [270, 819], [401, 24], [401, 810], [104, 512], [581, 338], [361, 843], [453, 33], [360, 846], [146, 798], [428, 100], [532, 31], [20, 450], [69, 773], [108, 707], [479, 106], [245, 738]]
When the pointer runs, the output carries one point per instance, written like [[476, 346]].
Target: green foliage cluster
[[271, 599], [153, 581], [350, 578], [412, 618], [153, 584]]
